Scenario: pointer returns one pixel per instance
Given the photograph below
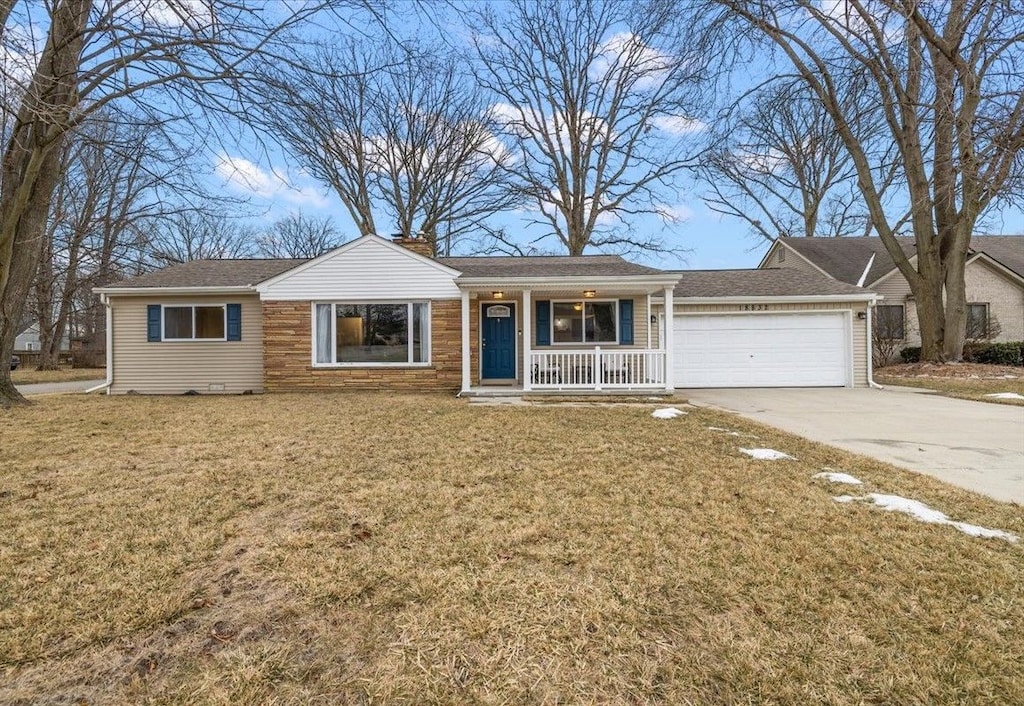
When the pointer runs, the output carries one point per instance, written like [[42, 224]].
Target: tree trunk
[[31, 170]]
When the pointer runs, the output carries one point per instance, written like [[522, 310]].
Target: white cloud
[[679, 213], [679, 124], [764, 162], [627, 57], [246, 176], [859, 22]]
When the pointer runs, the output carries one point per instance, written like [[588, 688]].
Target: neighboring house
[[994, 280], [28, 340], [381, 314]]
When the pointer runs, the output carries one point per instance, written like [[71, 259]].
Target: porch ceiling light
[[589, 293], [498, 295]]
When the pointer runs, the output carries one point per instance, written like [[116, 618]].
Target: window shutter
[[153, 322], [543, 322], [234, 322], [626, 321]]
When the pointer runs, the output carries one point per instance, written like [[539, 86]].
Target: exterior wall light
[[589, 293]]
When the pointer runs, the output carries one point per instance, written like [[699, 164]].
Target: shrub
[[1010, 353], [911, 354]]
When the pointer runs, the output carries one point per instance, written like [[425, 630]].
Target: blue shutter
[[626, 321], [543, 323], [153, 322], [234, 322]]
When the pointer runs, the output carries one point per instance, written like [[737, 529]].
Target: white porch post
[[466, 367], [668, 343], [527, 368]]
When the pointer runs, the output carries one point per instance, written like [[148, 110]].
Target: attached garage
[[767, 328], [762, 350]]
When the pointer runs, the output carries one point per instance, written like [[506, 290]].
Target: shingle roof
[[240, 273], [1007, 250], [846, 258], [211, 273], [774, 282], [547, 266]]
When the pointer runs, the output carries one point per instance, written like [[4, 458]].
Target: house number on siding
[[754, 307]]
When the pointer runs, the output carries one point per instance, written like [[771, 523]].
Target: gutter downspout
[[110, 347], [871, 348]]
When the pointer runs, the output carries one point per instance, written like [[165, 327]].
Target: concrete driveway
[[975, 445], [49, 388]]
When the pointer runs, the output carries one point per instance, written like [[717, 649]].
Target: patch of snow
[[920, 511], [837, 477], [767, 454], [667, 413], [1006, 396], [730, 432]]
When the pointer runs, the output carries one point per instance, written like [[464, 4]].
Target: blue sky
[[274, 187]]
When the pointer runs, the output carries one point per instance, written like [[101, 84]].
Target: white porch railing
[[596, 369]]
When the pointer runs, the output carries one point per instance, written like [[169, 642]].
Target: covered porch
[[564, 335]]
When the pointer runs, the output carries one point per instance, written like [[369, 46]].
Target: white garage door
[[762, 350]]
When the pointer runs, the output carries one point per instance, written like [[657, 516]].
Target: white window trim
[[334, 334], [615, 308], [163, 329]]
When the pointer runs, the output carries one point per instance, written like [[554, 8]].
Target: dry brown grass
[[351, 549], [969, 381], [28, 376]]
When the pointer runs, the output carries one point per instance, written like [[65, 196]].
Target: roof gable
[[369, 267], [847, 259]]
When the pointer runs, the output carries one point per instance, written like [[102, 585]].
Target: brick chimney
[[417, 244]]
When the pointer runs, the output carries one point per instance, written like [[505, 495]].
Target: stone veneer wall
[[287, 354]]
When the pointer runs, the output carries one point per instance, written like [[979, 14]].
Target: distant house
[[383, 314], [994, 279], [28, 340]]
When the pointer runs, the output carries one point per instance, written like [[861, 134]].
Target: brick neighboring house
[[994, 281], [382, 314]]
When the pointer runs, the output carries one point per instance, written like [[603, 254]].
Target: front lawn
[[376, 548], [970, 381], [30, 376]]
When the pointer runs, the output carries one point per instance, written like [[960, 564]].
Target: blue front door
[[498, 341]]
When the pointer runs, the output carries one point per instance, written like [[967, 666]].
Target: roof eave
[[788, 299], [175, 291], [589, 281]]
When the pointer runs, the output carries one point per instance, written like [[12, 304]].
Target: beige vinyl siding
[[177, 367], [859, 332], [895, 290], [792, 261]]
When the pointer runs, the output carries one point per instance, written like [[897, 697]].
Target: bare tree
[[947, 79], [393, 129], [775, 162], [299, 236], [163, 57], [199, 235], [114, 186], [598, 99]]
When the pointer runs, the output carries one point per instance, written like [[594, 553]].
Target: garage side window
[[889, 322]]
